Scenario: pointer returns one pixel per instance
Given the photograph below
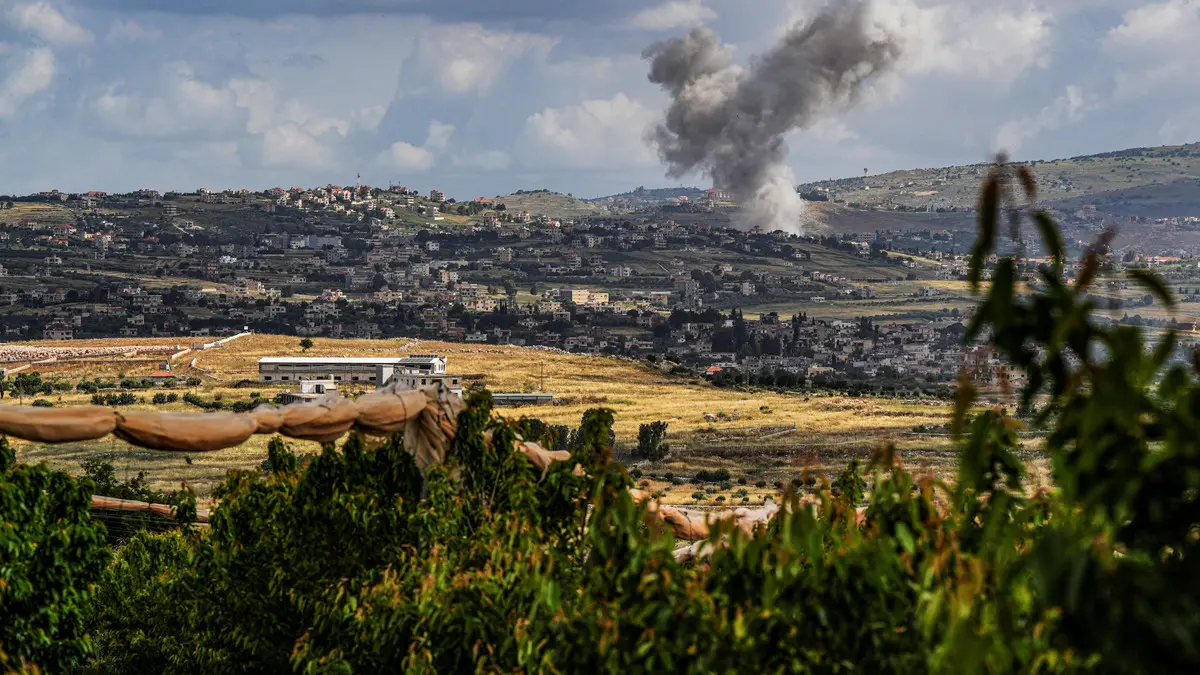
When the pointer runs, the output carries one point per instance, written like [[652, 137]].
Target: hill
[[547, 203], [642, 197], [1160, 180]]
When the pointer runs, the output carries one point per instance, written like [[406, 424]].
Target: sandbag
[[268, 418], [427, 436], [382, 414], [184, 432], [324, 420], [540, 457], [687, 525], [56, 425]]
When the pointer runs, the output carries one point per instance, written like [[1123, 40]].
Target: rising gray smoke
[[730, 123]]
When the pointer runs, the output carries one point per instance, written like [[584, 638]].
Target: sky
[[484, 97]]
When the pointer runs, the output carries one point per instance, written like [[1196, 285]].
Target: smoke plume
[[730, 122]]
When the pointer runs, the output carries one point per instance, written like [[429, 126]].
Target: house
[[163, 375], [58, 332], [309, 390]]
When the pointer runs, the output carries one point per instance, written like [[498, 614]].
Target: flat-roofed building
[[414, 371]]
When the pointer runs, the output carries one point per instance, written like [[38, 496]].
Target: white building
[[409, 372]]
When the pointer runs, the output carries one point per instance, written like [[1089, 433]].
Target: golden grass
[[636, 392]]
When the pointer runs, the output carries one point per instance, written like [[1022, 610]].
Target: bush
[[652, 445], [121, 398], [851, 483], [712, 475], [42, 403], [51, 556], [195, 400]]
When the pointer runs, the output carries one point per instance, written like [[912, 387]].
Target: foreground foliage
[[352, 560]]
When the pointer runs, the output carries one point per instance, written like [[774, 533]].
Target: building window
[[338, 378], [354, 379], [266, 378], [284, 378]]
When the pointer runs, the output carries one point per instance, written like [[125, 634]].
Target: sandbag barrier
[[114, 505], [428, 418]]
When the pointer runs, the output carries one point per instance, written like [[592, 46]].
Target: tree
[[651, 441], [306, 344], [26, 384], [51, 556]]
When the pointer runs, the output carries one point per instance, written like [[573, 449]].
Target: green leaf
[[963, 398], [1025, 174], [1050, 235], [989, 215], [1153, 284]]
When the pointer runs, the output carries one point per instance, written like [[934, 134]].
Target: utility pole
[[542, 379]]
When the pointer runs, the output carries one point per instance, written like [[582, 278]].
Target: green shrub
[[51, 555], [851, 484], [712, 475], [652, 445]]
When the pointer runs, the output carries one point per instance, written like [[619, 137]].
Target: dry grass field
[[759, 445]]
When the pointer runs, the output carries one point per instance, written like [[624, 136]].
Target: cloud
[[131, 31], [439, 135], [32, 75], [43, 20], [592, 134], [468, 59], [187, 108], [1158, 27], [290, 144], [306, 61], [405, 156], [1066, 109], [994, 42], [1155, 47], [368, 118], [672, 15], [488, 160]]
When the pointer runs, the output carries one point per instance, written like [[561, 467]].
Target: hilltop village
[[674, 284]]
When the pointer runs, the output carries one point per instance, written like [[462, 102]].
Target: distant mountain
[[1155, 182]]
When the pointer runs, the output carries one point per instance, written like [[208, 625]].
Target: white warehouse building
[[413, 372]]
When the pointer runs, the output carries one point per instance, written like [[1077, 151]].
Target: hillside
[[642, 197], [827, 428], [546, 203], [1162, 178]]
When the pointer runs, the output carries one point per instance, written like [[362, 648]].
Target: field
[[41, 213], [756, 441]]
